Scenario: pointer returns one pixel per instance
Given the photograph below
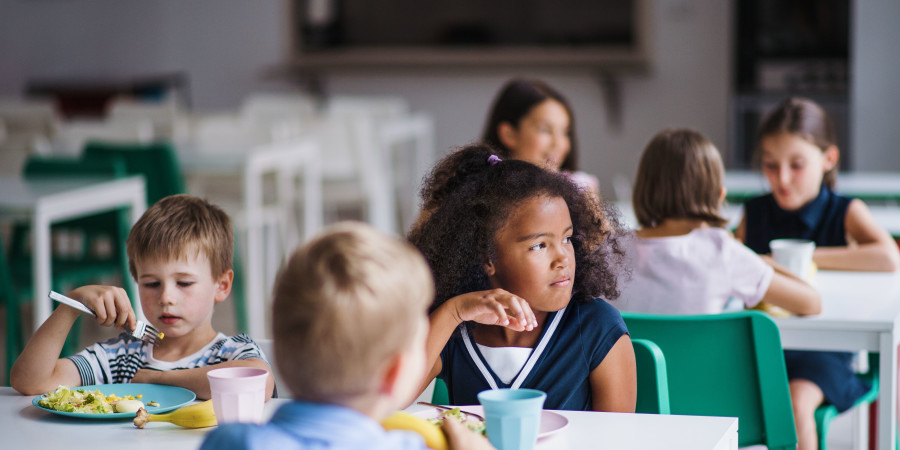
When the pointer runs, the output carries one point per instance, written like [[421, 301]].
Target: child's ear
[[488, 267], [392, 375], [223, 285], [832, 156], [507, 134]]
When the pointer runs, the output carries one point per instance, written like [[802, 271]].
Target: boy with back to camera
[[180, 254], [349, 327]]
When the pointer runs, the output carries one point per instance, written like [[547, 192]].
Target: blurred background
[[705, 64]]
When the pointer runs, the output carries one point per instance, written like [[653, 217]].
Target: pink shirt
[[695, 273]]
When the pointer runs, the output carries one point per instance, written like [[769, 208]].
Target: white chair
[[266, 108], [29, 126], [271, 224], [168, 120], [72, 135]]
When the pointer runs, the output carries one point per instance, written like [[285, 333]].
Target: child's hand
[[461, 437], [495, 307], [110, 304]]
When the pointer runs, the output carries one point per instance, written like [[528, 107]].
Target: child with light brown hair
[[180, 254], [349, 325], [683, 260]]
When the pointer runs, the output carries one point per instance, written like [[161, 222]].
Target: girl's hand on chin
[[495, 307]]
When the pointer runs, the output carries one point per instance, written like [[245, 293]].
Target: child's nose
[[168, 295], [784, 174]]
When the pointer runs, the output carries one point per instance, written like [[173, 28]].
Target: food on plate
[[455, 413], [431, 433], [81, 401], [199, 415], [153, 403], [128, 406]]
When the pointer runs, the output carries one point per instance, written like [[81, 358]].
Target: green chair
[[156, 162], [440, 396], [825, 413], [725, 365], [652, 380]]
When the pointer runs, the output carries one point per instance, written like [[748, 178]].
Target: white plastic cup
[[795, 255], [238, 393]]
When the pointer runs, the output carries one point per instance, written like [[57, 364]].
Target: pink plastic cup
[[238, 393]]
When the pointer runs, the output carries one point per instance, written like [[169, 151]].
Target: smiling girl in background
[[799, 159], [533, 122], [520, 256]]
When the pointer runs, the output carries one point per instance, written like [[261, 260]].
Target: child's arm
[[873, 249], [195, 379], [790, 292], [614, 381], [39, 368], [494, 307]]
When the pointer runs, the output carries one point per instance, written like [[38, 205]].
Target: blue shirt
[[577, 345], [304, 425], [820, 221]]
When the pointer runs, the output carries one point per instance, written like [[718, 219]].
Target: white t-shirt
[[695, 273]]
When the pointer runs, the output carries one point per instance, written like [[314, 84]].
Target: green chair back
[[440, 396], [652, 379], [725, 365], [155, 161]]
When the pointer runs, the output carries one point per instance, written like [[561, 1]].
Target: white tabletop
[[18, 196], [24, 426]]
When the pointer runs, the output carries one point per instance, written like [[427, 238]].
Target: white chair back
[[73, 135]]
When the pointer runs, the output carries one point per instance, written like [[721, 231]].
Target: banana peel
[[432, 434], [199, 415]]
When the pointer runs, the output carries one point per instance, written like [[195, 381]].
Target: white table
[[865, 185], [24, 426], [860, 311], [47, 201]]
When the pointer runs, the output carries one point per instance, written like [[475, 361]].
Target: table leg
[[887, 397], [41, 265]]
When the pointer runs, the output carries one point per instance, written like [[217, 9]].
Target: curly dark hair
[[469, 200]]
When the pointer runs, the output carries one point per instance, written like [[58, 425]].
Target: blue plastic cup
[[512, 417]]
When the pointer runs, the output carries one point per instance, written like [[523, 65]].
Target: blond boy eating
[[350, 328], [180, 254]]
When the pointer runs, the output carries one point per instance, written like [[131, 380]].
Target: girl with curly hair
[[520, 257]]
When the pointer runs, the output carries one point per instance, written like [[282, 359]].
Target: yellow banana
[[199, 415], [433, 436]]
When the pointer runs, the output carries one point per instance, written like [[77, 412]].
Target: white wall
[[688, 87], [224, 45], [875, 85]]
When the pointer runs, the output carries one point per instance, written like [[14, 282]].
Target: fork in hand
[[143, 331]]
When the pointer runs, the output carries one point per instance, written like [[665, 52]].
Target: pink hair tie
[[493, 159]]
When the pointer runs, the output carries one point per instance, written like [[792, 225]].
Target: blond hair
[[346, 303], [680, 176], [178, 225]]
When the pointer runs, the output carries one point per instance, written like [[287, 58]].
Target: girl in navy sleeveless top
[[799, 159], [519, 256]]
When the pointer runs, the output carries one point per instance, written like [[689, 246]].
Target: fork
[[143, 331], [448, 408]]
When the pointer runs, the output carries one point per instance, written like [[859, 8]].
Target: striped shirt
[[117, 360]]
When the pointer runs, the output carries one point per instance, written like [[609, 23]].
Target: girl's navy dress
[[821, 221]]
